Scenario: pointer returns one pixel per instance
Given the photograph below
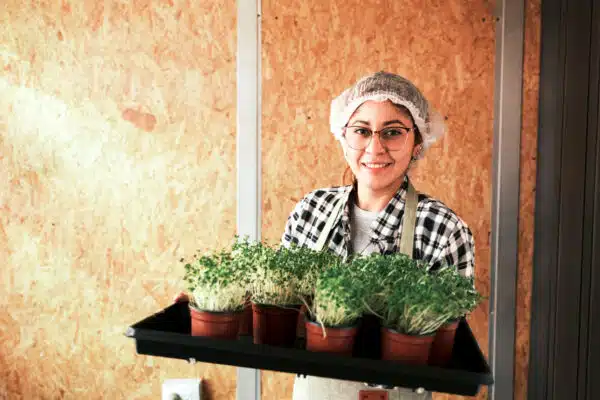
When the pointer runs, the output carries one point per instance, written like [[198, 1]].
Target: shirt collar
[[386, 225]]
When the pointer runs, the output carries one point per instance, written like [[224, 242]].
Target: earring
[[416, 155]]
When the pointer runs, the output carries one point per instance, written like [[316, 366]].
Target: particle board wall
[[117, 136], [531, 74], [312, 50]]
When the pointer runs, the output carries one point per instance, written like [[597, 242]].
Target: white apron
[[317, 388]]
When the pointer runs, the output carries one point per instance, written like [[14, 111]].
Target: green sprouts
[[281, 276], [216, 282], [338, 296], [425, 301], [403, 292]]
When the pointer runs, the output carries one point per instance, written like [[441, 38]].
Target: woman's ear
[[417, 152]]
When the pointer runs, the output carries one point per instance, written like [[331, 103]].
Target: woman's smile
[[376, 166]]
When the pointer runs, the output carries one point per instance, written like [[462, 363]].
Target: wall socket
[[182, 389]]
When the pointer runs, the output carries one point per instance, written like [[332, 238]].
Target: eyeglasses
[[392, 138]]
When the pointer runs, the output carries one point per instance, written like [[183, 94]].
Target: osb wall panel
[[312, 50], [117, 136], [531, 71]]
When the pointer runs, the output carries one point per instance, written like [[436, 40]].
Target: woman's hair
[[348, 177], [418, 137]]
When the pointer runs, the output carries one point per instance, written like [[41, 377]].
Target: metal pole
[[248, 150], [510, 21]]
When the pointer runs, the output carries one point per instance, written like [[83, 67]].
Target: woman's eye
[[362, 132], [390, 133]]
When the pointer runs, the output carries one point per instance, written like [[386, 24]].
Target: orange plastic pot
[[337, 340], [441, 349], [274, 325], [220, 325], [407, 349]]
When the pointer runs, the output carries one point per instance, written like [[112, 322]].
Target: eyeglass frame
[[378, 132]]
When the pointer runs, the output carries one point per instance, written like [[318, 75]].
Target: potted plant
[[275, 302], [218, 291], [411, 317], [461, 299], [381, 273], [333, 315], [307, 264]]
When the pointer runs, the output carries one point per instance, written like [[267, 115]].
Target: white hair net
[[383, 86]]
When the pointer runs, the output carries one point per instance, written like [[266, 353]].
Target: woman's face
[[376, 168]]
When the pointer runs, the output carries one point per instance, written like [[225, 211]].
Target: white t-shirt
[[360, 230]]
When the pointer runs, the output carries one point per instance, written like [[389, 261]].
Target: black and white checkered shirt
[[441, 237]]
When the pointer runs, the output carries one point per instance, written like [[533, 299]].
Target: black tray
[[167, 334]]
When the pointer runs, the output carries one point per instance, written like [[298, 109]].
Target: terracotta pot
[[221, 325], [274, 325], [300, 328], [246, 321], [338, 340], [441, 349], [407, 349]]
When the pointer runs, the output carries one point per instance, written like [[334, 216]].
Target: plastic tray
[[167, 334]]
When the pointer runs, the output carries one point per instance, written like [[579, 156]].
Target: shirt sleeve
[[459, 251], [289, 237]]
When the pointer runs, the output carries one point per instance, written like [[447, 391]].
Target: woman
[[384, 124]]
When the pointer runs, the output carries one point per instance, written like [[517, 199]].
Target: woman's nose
[[375, 146]]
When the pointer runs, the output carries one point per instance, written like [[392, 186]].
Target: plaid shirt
[[441, 237]]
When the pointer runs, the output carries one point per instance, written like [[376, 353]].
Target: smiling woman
[[379, 162], [384, 124]]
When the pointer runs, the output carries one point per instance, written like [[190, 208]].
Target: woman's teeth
[[376, 165]]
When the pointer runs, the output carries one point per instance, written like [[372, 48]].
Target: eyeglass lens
[[392, 138]]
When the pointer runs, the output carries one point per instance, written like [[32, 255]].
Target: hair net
[[383, 86]]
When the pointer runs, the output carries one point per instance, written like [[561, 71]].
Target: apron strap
[[406, 239], [328, 225]]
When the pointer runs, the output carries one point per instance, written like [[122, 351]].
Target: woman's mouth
[[375, 166]]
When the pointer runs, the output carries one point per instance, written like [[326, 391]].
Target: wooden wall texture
[[117, 137], [531, 82]]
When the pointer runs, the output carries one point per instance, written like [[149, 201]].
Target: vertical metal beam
[[510, 21], [248, 150], [547, 200]]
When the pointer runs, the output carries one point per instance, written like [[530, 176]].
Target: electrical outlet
[[182, 389]]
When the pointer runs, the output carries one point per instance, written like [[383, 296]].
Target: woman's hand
[[181, 297]]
